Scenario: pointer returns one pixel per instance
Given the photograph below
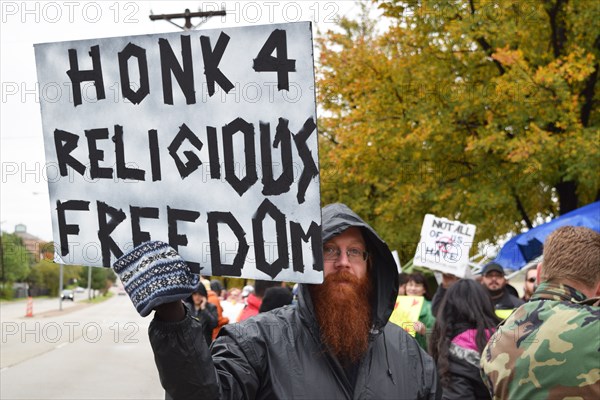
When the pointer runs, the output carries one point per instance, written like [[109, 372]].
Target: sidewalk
[[67, 310], [42, 307]]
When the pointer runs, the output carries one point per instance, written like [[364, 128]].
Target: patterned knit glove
[[153, 274]]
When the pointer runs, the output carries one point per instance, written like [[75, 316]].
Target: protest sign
[[406, 312], [397, 259], [444, 245], [503, 314], [206, 140]]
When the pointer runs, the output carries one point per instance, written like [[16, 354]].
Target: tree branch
[[521, 209], [588, 91], [567, 196], [557, 24], [485, 45]]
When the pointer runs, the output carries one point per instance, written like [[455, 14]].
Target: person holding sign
[[336, 344], [417, 286], [548, 347]]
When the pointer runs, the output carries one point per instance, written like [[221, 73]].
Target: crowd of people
[[489, 343], [214, 306], [474, 339], [456, 323]]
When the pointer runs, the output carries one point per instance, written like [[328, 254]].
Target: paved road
[[83, 352]]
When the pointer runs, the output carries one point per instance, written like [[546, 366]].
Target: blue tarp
[[521, 249]]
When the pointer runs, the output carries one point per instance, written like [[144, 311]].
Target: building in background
[[40, 249]]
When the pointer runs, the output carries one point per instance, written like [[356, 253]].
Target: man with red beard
[[336, 344]]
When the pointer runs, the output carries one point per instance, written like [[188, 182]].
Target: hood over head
[[383, 273]]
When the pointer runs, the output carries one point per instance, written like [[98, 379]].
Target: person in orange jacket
[[213, 298]]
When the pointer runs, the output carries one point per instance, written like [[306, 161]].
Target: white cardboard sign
[[205, 140], [444, 245]]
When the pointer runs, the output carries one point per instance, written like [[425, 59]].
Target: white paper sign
[[206, 140], [444, 245], [397, 259]]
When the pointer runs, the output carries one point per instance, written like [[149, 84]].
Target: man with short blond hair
[[572, 254], [548, 348]]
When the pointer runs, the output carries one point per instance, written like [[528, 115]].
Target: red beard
[[343, 312]]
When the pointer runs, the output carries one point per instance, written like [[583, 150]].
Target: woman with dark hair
[[403, 277], [464, 323], [417, 286]]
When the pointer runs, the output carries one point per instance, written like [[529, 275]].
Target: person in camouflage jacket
[[549, 347]]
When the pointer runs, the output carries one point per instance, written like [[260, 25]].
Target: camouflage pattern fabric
[[549, 348]]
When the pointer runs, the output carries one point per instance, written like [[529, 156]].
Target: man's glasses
[[331, 253], [531, 280]]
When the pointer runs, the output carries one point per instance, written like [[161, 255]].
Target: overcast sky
[[24, 187]]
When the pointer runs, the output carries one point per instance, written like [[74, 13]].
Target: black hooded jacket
[[279, 354]]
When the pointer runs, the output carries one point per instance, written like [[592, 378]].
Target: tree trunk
[[567, 197]]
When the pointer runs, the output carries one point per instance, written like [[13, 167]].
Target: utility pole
[[60, 287], [187, 15], [2, 262], [89, 285]]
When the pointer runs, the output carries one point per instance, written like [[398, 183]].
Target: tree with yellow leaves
[[480, 111]]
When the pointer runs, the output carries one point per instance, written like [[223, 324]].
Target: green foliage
[[102, 278], [480, 111], [99, 299], [45, 274], [15, 262]]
